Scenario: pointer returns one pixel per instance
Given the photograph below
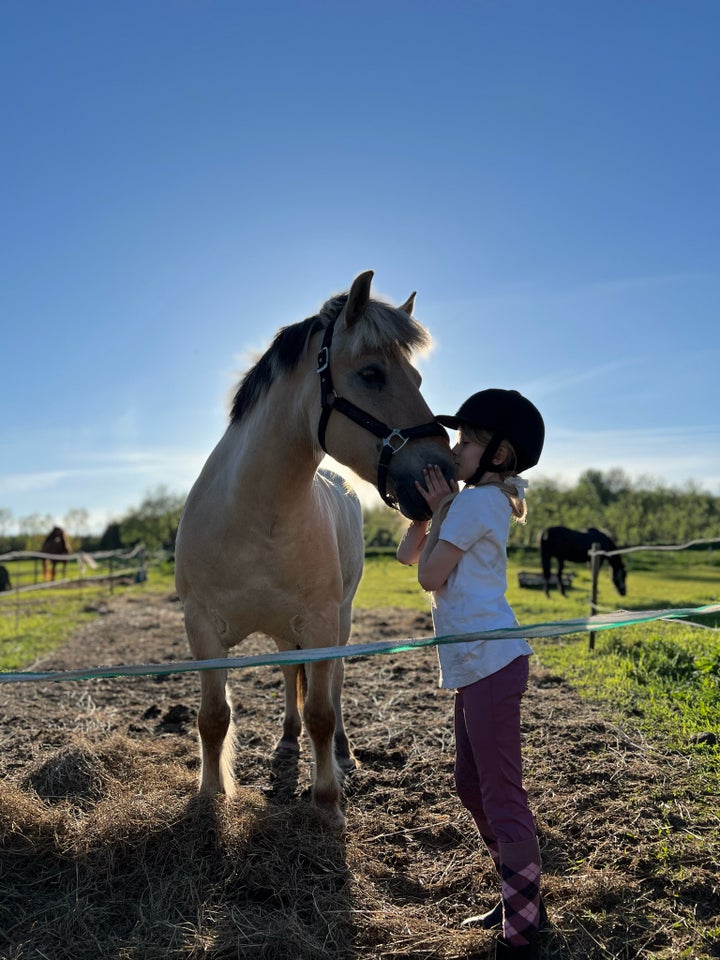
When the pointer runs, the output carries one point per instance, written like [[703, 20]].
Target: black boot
[[494, 918], [506, 951]]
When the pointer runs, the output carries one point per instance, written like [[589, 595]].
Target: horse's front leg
[[545, 561], [217, 739], [319, 717], [561, 586], [293, 677], [343, 753]]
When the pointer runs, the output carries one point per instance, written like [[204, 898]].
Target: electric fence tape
[[621, 618]]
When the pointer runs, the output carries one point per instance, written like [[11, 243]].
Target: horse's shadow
[[281, 878], [249, 876], [284, 777]]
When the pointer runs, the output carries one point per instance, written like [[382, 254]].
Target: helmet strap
[[486, 460]]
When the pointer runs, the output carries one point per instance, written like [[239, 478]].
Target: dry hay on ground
[[108, 853]]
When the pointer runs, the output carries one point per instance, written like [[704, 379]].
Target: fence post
[[594, 570]]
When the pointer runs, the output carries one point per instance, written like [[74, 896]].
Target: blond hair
[[506, 468]]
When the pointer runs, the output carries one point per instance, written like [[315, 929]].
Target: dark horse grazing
[[575, 545], [4, 579], [56, 542]]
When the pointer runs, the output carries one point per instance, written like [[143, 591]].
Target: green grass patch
[[35, 629], [665, 675], [34, 624], [387, 583]]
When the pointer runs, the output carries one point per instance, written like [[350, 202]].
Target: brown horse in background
[[56, 542]]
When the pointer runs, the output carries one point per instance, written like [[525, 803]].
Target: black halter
[[393, 439]]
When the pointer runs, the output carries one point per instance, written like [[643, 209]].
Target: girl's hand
[[436, 487]]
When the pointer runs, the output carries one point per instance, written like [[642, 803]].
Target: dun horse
[[574, 545], [269, 543], [57, 543]]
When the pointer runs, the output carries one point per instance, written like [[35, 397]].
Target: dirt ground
[[106, 851]]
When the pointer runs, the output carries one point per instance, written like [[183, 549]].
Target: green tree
[[6, 520], [111, 538], [34, 528], [77, 523], [155, 521]]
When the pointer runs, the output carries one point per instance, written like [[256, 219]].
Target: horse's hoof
[[347, 763], [343, 754], [212, 790], [287, 747], [331, 815], [210, 794]]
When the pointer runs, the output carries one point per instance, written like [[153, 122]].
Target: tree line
[[634, 512], [154, 523]]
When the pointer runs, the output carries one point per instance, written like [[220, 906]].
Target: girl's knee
[[471, 798]]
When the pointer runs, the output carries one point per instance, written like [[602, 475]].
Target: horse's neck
[[271, 453]]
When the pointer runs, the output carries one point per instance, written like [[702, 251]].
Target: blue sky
[[179, 178]]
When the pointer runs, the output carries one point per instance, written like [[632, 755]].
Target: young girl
[[462, 561]]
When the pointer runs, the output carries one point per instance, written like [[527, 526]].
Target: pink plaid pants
[[488, 777]]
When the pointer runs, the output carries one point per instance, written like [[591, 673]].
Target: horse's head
[[619, 576], [387, 433]]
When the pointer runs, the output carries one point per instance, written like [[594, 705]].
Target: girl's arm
[[413, 541], [437, 560]]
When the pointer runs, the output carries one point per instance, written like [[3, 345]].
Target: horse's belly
[[287, 617]]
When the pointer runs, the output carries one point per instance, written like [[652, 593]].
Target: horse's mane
[[605, 536], [384, 327]]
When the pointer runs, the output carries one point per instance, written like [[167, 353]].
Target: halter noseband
[[393, 439]]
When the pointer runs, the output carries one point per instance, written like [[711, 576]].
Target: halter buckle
[[323, 360], [395, 435]]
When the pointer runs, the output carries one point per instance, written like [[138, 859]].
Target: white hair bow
[[520, 485]]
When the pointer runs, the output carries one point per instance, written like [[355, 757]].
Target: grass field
[[35, 622]]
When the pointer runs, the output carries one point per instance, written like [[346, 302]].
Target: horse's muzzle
[[411, 502]]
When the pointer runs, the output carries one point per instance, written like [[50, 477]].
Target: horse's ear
[[409, 304], [358, 297]]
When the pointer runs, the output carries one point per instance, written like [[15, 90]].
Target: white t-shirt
[[473, 597]]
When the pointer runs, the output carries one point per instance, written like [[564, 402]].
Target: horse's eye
[[372, 376]]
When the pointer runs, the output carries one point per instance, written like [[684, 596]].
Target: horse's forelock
[[383, 328], [389, 330]]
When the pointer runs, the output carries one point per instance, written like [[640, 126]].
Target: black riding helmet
[[509, 416]]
